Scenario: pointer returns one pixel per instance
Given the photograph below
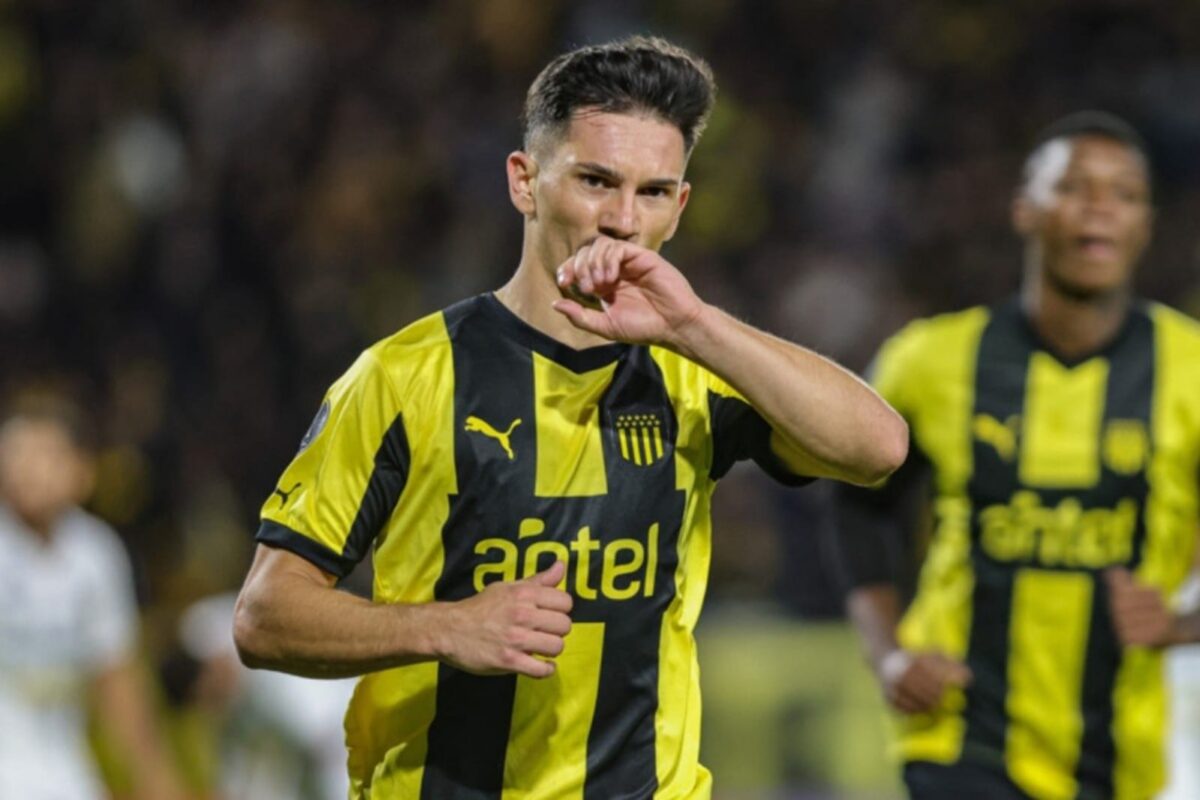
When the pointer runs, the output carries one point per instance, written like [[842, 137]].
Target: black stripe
[[1000, 376], [469, 736], [276, 535], [493, 379], [621, 744], [1128, 397], [382, 493]]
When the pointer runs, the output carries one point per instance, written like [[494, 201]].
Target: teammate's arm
[[289, 617], [869, 527], [120, 697], [1142, 617], [825, 421]]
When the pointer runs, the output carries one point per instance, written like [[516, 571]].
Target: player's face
[[620, 175], [1087, 209], [42, 472]]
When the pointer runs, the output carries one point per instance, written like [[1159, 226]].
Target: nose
[[1100, 200], [619, 217]]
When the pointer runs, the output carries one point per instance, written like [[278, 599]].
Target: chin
[[1095, 284]]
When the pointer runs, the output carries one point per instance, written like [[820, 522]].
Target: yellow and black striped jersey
[[471, 448], [1045, 472]]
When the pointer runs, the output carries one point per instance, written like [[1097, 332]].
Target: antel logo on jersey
[[1065, 535], [627, 567]]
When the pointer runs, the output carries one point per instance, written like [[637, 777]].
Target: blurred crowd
[[207, 209]]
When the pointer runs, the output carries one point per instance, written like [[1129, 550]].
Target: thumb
[[551, 575], [958, 673], [586, 319]]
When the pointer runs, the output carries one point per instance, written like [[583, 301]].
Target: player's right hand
[[507, 626], [915, 683]]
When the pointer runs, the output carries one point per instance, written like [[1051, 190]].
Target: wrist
[[431, 637], [695, 332], [893, 664]]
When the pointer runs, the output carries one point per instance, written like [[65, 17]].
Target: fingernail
[[560, 276]]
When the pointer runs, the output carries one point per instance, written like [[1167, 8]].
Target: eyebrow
[[616, 177]]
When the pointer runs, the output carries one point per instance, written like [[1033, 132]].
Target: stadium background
[[207, 209]]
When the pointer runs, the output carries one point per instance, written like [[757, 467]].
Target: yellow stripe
[[387, 719], [623, 435], [1139, 697], [570, 449], [1064, 409], [928, 370], [1051, 612], [677, 719], [553, 716], [396, 706], [646, 447], [658, 449]]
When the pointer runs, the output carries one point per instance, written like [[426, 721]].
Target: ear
[[685, 191], [1024, 214], [522, 179]]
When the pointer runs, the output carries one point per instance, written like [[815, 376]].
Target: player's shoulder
[[683, 377], [927, 336], [92, 541], [1174, 324]]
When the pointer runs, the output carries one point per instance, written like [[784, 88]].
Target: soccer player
[[68, 622], [1061, 434], [531, 471]]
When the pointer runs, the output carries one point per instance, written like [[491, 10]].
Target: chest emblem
[[640, 436], [1126, 446], [477, 425]]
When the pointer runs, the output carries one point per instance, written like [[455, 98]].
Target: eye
[[655, 191], [593, 181]]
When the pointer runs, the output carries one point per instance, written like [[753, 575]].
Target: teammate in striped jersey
[[531, 472], [1061, 432]]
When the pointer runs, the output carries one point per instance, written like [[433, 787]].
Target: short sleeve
[[341, 487], [739, 432]]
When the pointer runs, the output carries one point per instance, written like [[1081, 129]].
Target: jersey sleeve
[[342, 486], [112, 607], [740, 432]]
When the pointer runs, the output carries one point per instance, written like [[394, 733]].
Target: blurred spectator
[[275, 736], [68, 625]]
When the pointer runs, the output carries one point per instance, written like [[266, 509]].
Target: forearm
[[293, 623], [127, 715], [875, 612], [839, 425]]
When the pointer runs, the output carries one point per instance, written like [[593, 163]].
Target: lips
[[1097, 246]]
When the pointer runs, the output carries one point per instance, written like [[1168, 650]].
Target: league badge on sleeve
[[318, 425]]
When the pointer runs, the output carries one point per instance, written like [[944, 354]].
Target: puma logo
[[283, 496], [1000, 435], [477, 425]]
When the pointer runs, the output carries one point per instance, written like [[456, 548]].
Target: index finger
[[553, 599], [1118, 577]]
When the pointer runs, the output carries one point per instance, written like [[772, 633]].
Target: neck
[[530, 293], [41, 526], [1073, 326]]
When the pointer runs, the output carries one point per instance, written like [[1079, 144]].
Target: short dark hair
[[636, 74], [51, 405], [1090, 123], [1094, 123]]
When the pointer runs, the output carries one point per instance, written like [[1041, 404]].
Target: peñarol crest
[[1126, 446], [640, 436]]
